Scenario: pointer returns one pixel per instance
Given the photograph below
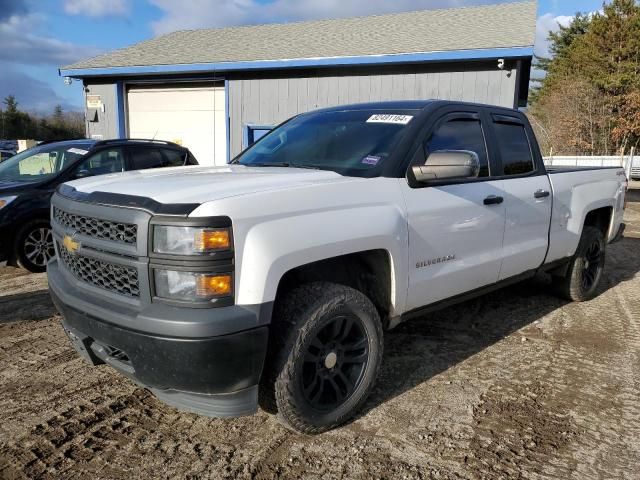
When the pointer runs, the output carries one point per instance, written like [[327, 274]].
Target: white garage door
[[190, 116]]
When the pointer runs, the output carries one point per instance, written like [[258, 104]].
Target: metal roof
[[482, 28]]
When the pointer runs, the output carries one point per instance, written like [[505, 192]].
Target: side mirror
[[448, 164]]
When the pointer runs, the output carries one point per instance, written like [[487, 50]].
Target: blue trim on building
[[227, 118], [447, 56], [120, 114]]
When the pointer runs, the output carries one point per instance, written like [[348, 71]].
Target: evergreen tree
[[61, 125], [58, 116], [11, 105]]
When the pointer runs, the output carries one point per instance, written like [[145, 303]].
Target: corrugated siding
[[273, 100], [107, 122]]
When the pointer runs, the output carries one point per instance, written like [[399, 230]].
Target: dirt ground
[[517, 384]]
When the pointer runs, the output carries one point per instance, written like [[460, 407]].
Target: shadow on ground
[[420, 349], [26, 306]]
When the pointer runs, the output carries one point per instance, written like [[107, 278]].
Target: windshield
[[352, 143], [41, 163]]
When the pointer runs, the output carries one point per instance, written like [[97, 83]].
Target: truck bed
[[577, 191]]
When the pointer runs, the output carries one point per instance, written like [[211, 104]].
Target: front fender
[[275, 247], [277, 231]]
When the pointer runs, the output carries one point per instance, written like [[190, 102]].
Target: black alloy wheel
[[583, 273], [325, 351], [592, 268], [334, 363]]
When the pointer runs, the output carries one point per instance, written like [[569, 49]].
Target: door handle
[[541, 193], [493, 200]]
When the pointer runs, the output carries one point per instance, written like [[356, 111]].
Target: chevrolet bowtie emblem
[[70, 244]]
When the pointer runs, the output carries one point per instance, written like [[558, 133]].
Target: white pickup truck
[[271, 280]]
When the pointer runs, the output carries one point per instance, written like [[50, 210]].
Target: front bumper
[[209, 375]]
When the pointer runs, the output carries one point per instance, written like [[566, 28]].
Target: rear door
[[528, 196], [455, 228]]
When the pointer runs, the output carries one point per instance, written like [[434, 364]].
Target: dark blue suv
[[28, 180]]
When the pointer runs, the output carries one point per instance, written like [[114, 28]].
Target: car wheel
[[325, 357], [34, 246], [585, 269]]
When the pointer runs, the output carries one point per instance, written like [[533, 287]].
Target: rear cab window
[[514, 147]]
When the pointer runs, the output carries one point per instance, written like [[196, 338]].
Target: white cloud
[[21, 46], [191, 14], [548, 23], [29, 57], [97, 8]]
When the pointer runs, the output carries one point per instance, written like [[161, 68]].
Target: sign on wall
[[94, 101]]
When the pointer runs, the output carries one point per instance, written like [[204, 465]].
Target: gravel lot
[[517, 384]]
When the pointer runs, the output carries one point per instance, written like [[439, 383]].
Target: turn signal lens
[[206, 240], [213, 286]]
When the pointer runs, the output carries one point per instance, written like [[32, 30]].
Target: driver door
[[456, 227]]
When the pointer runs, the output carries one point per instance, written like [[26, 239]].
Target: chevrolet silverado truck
[[271, 280]]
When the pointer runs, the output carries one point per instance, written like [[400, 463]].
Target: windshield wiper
[[282, 164]]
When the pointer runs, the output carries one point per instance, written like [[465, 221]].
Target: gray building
[[217, 90]]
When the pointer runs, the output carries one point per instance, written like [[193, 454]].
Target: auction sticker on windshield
[[77, 151], [390, 118]]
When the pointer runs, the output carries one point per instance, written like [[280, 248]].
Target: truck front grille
[[109, 276], [97, 228]]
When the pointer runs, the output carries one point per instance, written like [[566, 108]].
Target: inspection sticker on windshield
[[390, 118], [77, 151], [370, 160]]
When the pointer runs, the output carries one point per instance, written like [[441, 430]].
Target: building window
[[253, 133]]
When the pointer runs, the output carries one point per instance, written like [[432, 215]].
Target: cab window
[[173, 158], [461, 134], [142, 157], [514, 148], [110, 160]]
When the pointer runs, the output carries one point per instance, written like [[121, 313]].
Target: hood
[[14, 188], [203, 184]]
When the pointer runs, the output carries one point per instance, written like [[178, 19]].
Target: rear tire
[[585, 269], [325, 353], [33, 246]]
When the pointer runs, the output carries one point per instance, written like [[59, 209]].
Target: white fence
[[628, 162]]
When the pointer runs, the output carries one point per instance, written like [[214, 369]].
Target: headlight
[[4, 201], [192, 286], [190, 240]]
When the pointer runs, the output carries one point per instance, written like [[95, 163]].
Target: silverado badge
[[70, 244], [434, 261]]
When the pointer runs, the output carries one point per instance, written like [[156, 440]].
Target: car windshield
[[41, 162], [353, 142]]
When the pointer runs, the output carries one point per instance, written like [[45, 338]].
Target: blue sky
[[38, 36]]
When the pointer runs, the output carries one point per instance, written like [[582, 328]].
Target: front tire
[[585, 269], [325, 358], [33, 247]]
